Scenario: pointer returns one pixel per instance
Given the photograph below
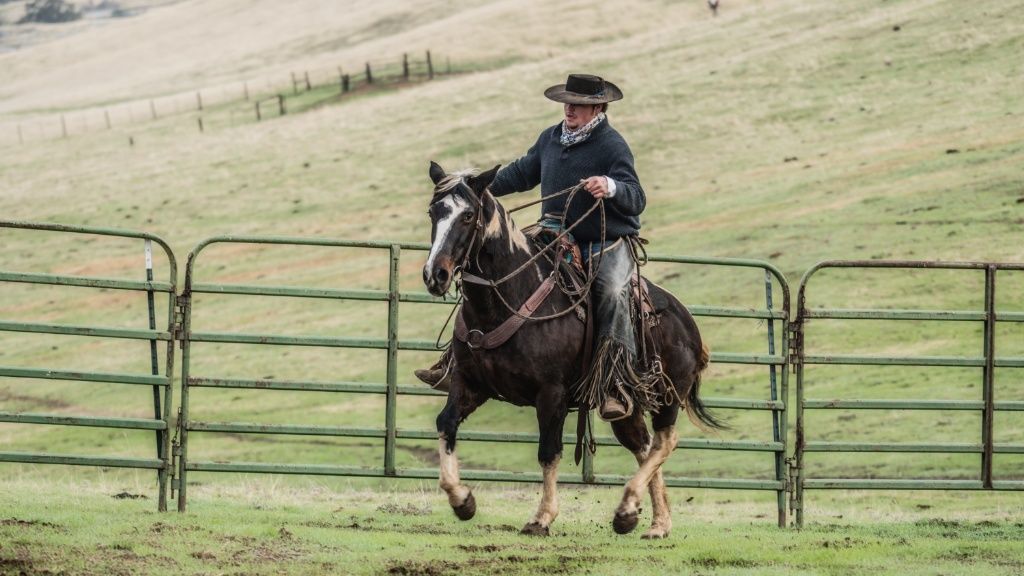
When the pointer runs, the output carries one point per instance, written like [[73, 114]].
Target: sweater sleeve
[[519, 175], [629, 197]]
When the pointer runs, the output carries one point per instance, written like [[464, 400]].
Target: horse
[[537, 366]]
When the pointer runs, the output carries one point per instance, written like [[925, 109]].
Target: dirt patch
[[24, 567], [31, 523], [407, 510], [498, 528], [51, 403], [129, 496], [474, 548]]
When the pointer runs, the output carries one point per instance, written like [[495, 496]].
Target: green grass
[[269, 528]]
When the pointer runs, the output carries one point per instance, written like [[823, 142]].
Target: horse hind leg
[[649, 477]]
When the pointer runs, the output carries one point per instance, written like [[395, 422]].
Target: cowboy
[[584, 149]]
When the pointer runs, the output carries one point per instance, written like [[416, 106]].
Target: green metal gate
[[161, 383], [788, 473], [390, 432], [984, 444]]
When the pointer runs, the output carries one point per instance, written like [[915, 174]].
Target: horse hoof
[[535, 529], [467, 509], [625, 523]]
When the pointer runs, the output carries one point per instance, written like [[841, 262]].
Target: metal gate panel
[[775, 401], [983, 445], [161, 383]]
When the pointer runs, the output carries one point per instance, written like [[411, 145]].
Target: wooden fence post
[[295, 84], [369, 74], [280, 103], [200, 124], [430, 67], [308, 85], [405, 67], [345, 84], [199, 101], [258, 116]]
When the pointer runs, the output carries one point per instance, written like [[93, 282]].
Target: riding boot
[[612, 409], [438, 376]]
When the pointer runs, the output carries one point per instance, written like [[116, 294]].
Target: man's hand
[[597, 186]]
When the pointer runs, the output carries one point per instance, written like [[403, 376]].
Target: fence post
[[63, 127], [345, 83], [200, 119], [258, 116], [430, 67], [295, 85], [988, 413], [369, 74], [390, 407], [308, 85], [152, 109], [405, 67], [280, 103]]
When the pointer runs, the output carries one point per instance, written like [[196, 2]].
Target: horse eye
[[468, 217]]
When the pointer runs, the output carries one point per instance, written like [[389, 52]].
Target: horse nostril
[[441, 275]]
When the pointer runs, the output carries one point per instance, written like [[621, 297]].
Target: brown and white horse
[[539, 364]]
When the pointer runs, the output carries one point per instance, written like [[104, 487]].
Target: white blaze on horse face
[[456, 208]]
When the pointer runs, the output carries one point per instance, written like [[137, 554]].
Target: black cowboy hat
[[584, 89]]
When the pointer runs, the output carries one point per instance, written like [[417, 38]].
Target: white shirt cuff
[[611, 187]]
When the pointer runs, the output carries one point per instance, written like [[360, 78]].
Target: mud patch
[[474, 548]]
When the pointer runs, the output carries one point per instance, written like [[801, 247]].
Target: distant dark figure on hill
[[713, 4], [584, 148]]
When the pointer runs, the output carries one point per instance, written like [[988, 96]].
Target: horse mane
[[450, 181]]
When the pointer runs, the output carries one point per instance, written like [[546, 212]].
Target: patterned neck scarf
[[572, 137]]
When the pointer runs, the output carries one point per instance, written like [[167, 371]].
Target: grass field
[[786, 131]]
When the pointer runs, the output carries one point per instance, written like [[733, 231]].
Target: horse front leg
[[551, 412], [461, 403]]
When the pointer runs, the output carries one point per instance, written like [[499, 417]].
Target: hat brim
[[558, 93]]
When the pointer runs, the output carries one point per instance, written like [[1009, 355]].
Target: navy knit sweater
[[555, 168]]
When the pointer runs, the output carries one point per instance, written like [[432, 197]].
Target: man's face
[[577, 115]]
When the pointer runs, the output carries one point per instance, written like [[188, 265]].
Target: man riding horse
[[585, 149]]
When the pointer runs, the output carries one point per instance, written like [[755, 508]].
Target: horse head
[[457, 215]]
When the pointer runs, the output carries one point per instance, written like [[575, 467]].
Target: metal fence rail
[[988, 361], [390, 431], [161, 383]]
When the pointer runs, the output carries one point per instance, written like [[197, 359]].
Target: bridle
[[473, 250]]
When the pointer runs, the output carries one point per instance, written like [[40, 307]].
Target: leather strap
[[476, 339]]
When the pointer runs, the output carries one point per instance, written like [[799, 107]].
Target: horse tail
[[695, 409]]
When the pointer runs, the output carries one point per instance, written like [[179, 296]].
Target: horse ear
[[436, 172], [481, 181]]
